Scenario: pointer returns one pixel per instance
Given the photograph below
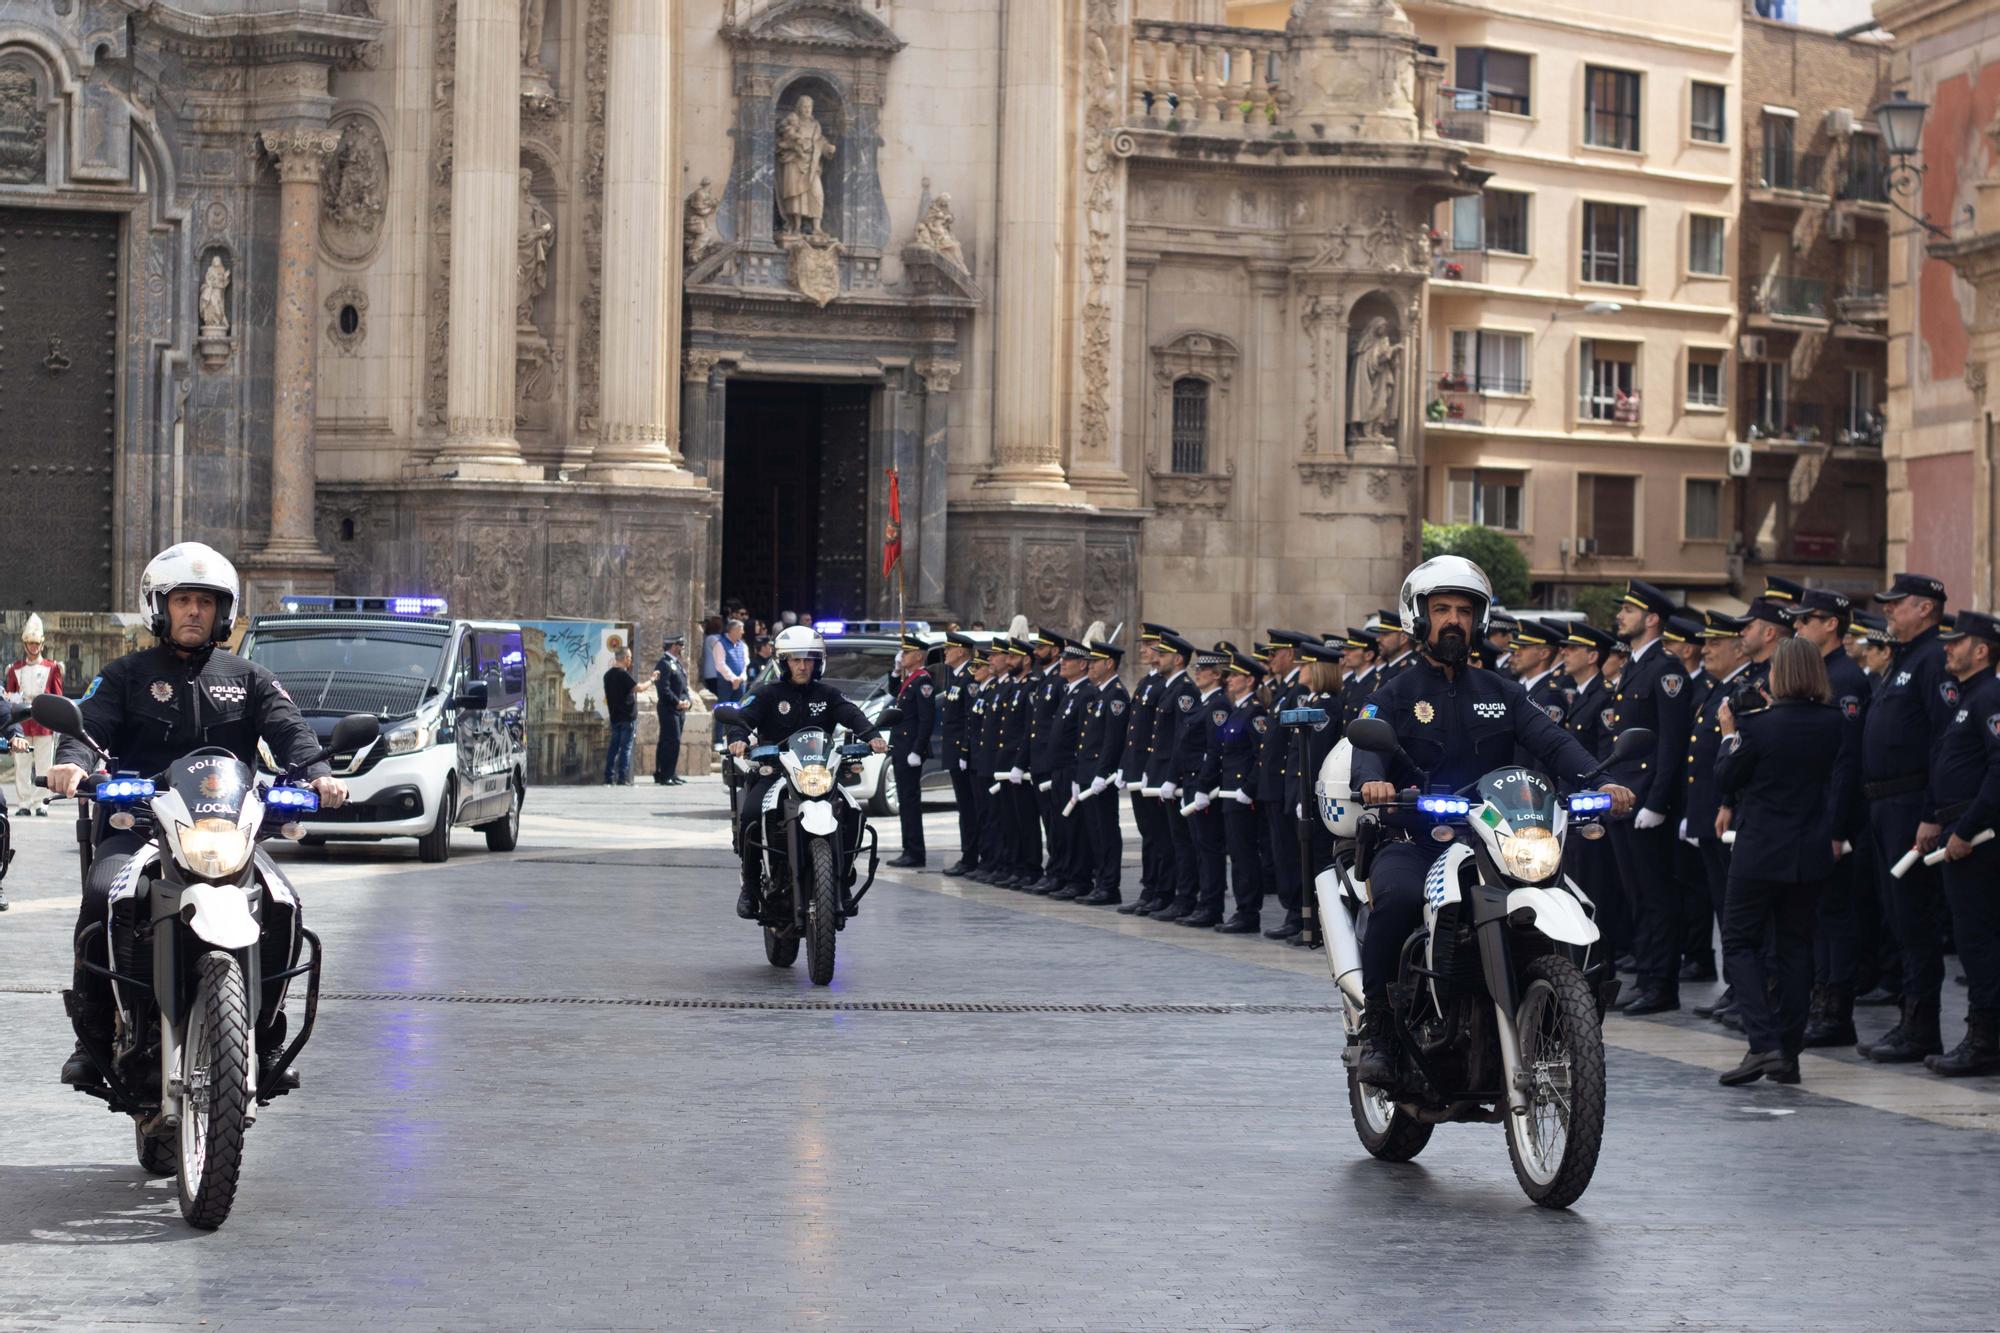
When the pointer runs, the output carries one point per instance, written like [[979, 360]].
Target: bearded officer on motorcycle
[[795, 700], [154, 706], [1459, 722]]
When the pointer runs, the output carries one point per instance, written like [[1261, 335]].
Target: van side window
[[503, 666]]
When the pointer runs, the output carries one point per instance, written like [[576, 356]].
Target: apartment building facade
[[1583, 317], [1813, 257]]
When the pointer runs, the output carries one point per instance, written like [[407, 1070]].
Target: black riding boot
[[1832, 1023], [1912, 1039], [1377, 1064], [1979, 1053], [79, 1071]]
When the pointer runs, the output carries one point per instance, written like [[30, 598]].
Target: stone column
[[290, 560], [1028, 348], [642, 257], [930, 501], [486, 159]]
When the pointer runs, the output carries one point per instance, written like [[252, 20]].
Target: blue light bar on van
[[830, 627], [302, 799], [395, 606], [123, 789]]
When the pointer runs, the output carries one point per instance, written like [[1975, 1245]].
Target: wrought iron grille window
[[1191, 426]]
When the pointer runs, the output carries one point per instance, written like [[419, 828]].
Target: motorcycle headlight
[[214, 848], [814, 779], [1531, 854], [408, 738]]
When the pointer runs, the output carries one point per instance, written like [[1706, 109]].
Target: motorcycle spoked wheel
[[781, 947], [1554, 1146], [215, 1064], [822, 915]]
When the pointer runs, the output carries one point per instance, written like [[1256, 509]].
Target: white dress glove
[[1119, 780], [1648, 819], [1200, 802], [1243, 798], [914, 760], [1015, 775], [1097, 784], [1168, 791], [961, 765]]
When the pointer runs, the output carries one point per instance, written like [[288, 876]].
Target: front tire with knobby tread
[[1394, 1137], [824, 916], [1557, 985], [157, 1153], [218, 1041]]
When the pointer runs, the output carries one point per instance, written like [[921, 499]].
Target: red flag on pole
[[892, 539]]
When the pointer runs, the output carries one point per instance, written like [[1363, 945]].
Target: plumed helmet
[[32, 631], [1444, 573], [189, 565], [801, 641], [1339, 807]]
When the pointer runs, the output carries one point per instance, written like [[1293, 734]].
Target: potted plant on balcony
[[1453, 270], [1435, 411], [1455, 410]]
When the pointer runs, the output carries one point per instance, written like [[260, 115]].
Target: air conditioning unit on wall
[[1739, 459], [1840, 225], [1840, 121], [1753, 347]]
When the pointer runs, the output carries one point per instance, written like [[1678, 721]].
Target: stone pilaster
[[290, 559], [486, 160], [642, 257], [1028, 353]]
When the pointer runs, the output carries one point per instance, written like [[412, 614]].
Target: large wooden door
[[58, 406], [843, 513]]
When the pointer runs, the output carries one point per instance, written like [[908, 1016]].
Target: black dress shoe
[[746, 903], [957, 870], [1731, 1018], [1285, 932], [1625, 962], [1103, 898], [1137, 907], [1172, 911], [1880, 996], [1653, 1002], [907, 861], [1240, 925], [1698, 969], [1756, 1064], [1721, 1002], [1786, 1072], [1201, 920], [1045, 886]]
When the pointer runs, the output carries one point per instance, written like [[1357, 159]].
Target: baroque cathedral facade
[[614, 308]]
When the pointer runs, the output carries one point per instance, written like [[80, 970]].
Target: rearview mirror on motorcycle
[[357, 730], [1631, 744], [1373, 735], [888, 717], [59, 714]]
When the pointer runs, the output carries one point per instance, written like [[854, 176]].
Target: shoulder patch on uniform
[[926, 688], [95, 681], [1555, 712], [1672, 682], [1993, 724], [1187, 703], [1368, 710], [1850, 705], [1261, 724], [1949, 689], [1117, 707], [1219, 716], [1608, 718]]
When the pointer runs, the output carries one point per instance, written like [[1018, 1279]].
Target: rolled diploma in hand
[[1937, 857]]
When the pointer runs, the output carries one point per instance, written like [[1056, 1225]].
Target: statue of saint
[[1371, 392], [934, 231], [802, 151], [533, 236], [533, 14], [214, 318], [698, 235]]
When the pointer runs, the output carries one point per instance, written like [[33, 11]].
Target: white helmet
[[801, 641], [1444, 573], [189, 565], [1339, 807]]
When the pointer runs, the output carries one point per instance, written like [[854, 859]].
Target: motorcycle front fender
[[817, 818], [1557, 915], [221, 915]]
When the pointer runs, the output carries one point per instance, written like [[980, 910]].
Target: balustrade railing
[[1201, 78]]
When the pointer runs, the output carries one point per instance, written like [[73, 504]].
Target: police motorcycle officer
[[149, 709], [1459, 722], [796, 699]]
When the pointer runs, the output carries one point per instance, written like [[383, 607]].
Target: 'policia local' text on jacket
[[154, 706]]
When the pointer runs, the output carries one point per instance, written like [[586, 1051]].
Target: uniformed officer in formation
[[1965, 783], [910, 745], [956, 690]]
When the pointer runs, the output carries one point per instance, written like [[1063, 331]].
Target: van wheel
[[436, 845], [504, 834]]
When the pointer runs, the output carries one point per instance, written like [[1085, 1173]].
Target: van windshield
[[368, 669]]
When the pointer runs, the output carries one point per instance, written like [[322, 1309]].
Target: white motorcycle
[[808, 838], [200, 933], [1499, 997]]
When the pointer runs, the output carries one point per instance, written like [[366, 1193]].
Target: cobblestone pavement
[[1005, 1114]]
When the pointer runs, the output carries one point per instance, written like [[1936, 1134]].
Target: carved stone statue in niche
[[214, 287], [24, 128], [698, 236], [533, 237], [802, 152], [354, 192], [934, 231], [536, 89], [1372, 378]]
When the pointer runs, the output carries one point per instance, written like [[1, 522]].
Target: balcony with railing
[[1791, 423], [1786, 179], [1857, 305], [1460, 398], [1865, 183], [1784, 301], [1200, 78], [1459, 265], [1462, 114]]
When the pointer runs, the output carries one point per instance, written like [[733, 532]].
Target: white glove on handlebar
[[914, 760], [1648, 819]]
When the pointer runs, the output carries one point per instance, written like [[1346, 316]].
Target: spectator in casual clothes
[[729, 663], [711, 634], [621, 697], [33, 674]]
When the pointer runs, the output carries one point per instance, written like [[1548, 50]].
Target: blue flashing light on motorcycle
[[114, 791], [1444, 805], [302, 799], [1589, 803]]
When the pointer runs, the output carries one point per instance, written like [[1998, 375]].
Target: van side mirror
[[471, 695]]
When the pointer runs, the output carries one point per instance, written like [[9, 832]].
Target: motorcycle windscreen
[[811, 746], [212, 786], [1521, 797]]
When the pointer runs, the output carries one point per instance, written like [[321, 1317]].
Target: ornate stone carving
[[534, 234], [24, 127], [1101, 179], [536, 90], [698, 234], [1328, 477], [214, 290], [1378, 484], [1103, 589], [1207, 493], [934, 232], [345, 333], [802, 152], [937, 375], [300, 154], [1975, 380], [1373, 381], [354, 192], [438, 273], [590, 309], [814, 262], [697, 365], [1048, 577], [1319, 314]]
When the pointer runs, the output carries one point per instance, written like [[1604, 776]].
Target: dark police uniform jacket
[[1917, 700], [1177, 699], [1101, 749], [1654, 693], [1460, 729], [1231, 761], [1142, 709], [1042, 700], [1354, 692], [982, 728], [912, 732], [1966, 769], [1392, 670], [1274, 753], [1588, 706], [152, 707], [1775, 780], [954, 712], [1068, 727], [673, 680], [1194, 726], [1011, 746], [1852, 692], [778, 708], [1704, 797]]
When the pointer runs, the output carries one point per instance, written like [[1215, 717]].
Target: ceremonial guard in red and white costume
[[33, 674]]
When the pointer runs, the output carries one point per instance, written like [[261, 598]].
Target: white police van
[[452, 698]]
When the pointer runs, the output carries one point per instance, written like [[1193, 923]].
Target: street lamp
[[1901, 121]]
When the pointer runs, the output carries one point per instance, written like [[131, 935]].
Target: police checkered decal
[[1434, 882]]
